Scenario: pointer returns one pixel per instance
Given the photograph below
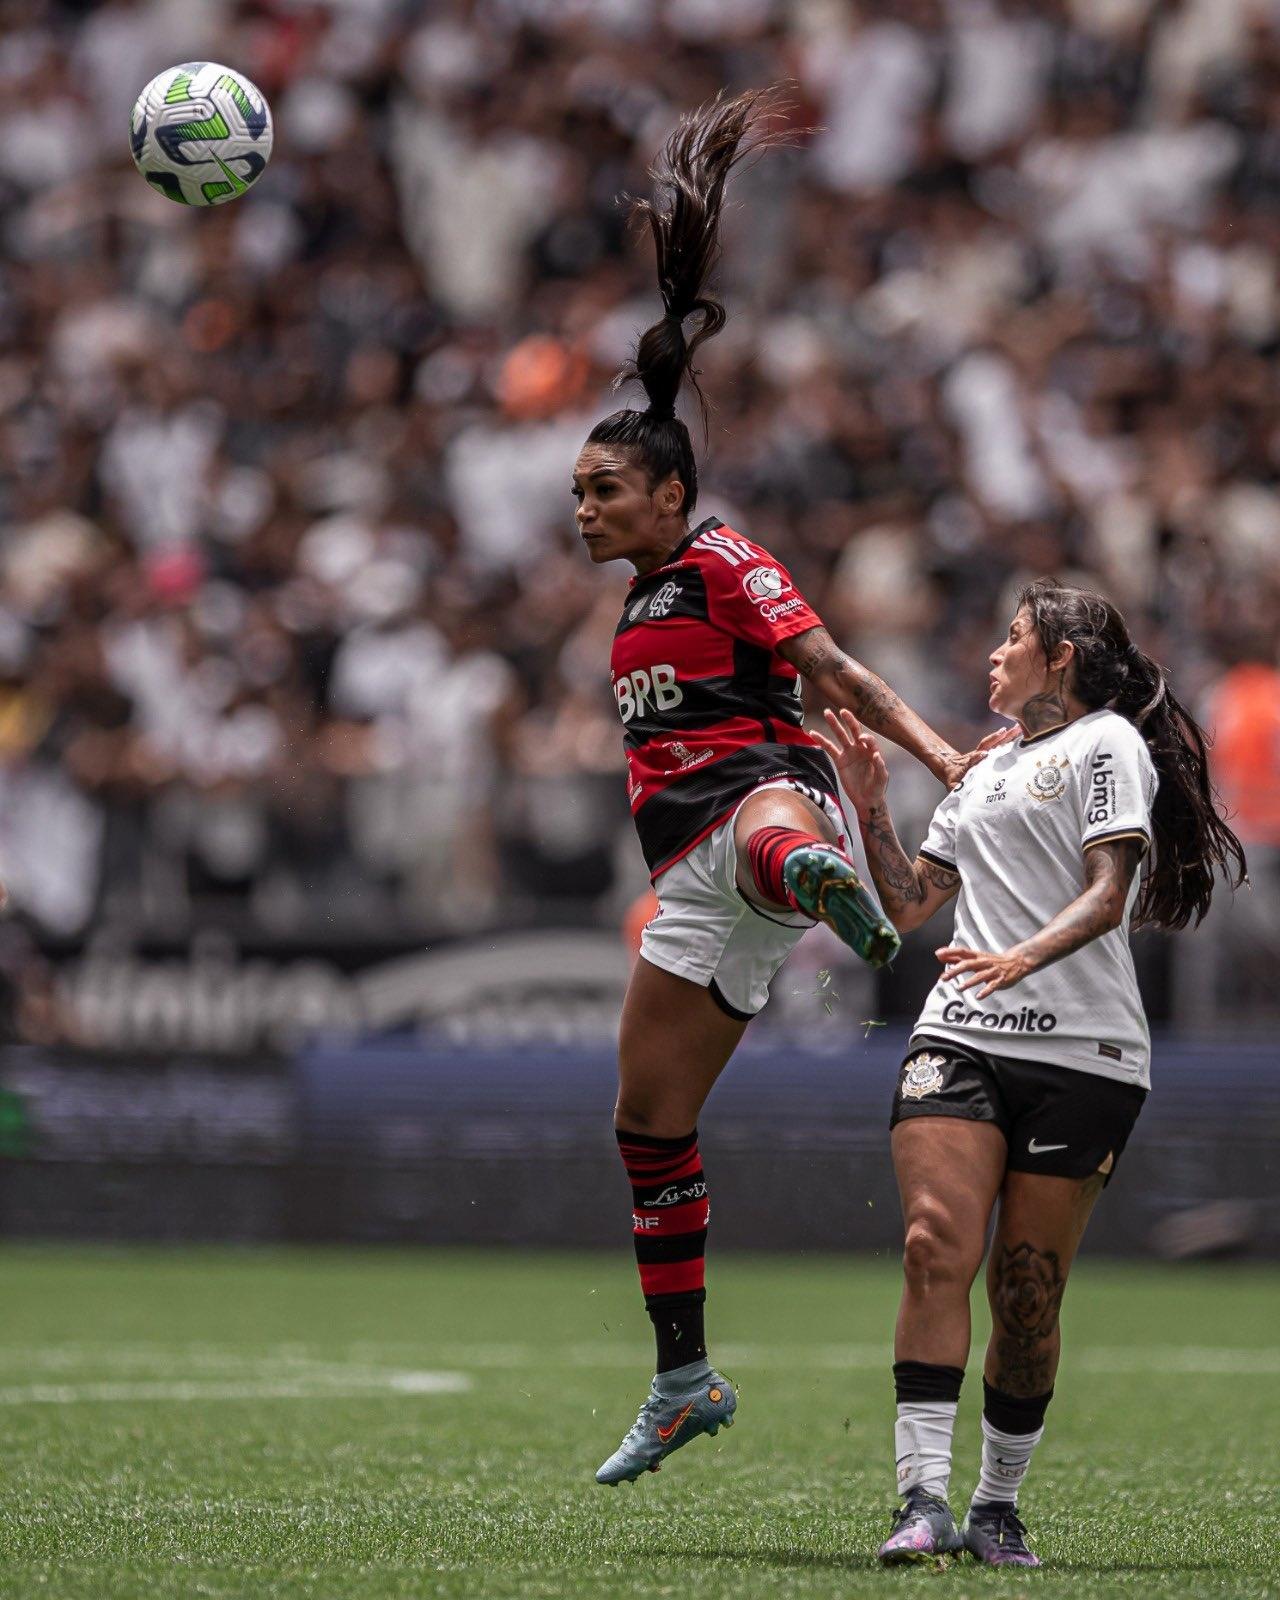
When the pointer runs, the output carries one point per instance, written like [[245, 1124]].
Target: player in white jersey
[[1030, 1061]]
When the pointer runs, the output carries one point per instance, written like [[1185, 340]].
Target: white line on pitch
[[1205, 1360], [375, 1365], [310, 1387]]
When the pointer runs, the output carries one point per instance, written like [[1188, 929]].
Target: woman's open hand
[[858, 760], [992, 969], [957, 767]]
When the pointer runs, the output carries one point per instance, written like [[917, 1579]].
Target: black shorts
[[1058, 1121]]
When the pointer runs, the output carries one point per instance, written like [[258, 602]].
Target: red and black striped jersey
[[709, 708]]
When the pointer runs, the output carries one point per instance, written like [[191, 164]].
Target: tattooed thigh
[[1026, 1297]]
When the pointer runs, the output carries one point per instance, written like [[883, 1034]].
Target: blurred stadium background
[[323, 887]]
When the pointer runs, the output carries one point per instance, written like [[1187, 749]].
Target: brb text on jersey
[[709, 708]]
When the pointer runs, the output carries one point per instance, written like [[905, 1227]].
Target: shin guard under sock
[[1012, 1426], [928, 1397], [669, 1209], [767, 852]]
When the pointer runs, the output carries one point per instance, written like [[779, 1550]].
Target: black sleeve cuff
[[1120, 833]]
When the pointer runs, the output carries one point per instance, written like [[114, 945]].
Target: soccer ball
[[200, 133]]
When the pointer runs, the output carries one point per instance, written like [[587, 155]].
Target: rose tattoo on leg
[[1027, 1297]]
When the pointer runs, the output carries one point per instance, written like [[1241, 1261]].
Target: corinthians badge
[[923, 1076], [1048, 782]]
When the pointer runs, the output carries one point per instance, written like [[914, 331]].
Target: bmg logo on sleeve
[[1102, 789]]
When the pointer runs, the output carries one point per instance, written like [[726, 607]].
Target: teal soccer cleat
[[827, 888], [668, 1421]]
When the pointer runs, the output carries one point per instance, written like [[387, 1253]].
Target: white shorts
[[705, 929]]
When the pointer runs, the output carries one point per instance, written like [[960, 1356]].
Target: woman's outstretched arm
[[910, 891], [850, 686]]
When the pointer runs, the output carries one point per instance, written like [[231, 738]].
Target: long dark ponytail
[[1191, 841], [689, 179]]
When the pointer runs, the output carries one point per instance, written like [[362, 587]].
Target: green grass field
[[331, 1424]]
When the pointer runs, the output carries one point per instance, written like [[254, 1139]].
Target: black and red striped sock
[[767, 852], [669, 1219]]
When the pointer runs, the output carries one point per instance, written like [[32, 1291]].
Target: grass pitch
[[336, 1424]]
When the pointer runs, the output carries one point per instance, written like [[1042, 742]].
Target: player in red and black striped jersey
[[709, 701], [735, 803]]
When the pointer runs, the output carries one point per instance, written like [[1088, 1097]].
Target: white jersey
[[1016, 830]]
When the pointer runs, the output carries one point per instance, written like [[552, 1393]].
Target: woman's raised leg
[[791, 857]]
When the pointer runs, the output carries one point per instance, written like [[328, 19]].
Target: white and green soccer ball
[[200, 133]]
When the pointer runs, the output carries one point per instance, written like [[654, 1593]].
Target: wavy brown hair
[[689, 178], [1191, 842]]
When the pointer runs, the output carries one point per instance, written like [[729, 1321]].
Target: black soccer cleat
[[994, 1534]]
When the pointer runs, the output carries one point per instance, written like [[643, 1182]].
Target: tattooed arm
[[910, 891], [848, 684], [1108, 870]]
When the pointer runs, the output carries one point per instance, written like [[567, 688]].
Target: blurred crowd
[[294, 624]]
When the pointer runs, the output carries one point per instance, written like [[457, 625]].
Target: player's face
[[620, 515], [1018, 668]]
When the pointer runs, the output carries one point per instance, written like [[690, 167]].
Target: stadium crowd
[[293, 615]]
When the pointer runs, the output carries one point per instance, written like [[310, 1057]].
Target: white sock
[[922, 1445], [1005, 1459]]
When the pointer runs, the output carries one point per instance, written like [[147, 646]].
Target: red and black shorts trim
[[1058, 1121]]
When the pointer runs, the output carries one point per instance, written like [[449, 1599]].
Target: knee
[[635, 1114], [933, 1254]]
